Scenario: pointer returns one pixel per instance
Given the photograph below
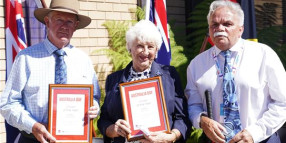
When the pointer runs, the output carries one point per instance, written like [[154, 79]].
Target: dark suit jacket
[[176, 102]]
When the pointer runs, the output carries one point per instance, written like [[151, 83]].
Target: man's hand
[[93, 112], [41, 133], [242, 137], [212, 129]]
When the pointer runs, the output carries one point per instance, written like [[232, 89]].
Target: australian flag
[[15, 31], [15, 42], [158, 15]]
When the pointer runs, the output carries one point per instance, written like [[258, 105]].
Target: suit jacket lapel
[[156, 70], [125, 73]]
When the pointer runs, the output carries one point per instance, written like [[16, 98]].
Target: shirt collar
[[133, 75], [235, 48], [52, 48], [156, 70], [132, 71]]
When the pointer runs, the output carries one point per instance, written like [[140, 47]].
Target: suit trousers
[[27, 138], [273, 139]]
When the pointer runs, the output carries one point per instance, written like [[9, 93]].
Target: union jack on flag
[[15, 42], [158, 15], [15, 32]]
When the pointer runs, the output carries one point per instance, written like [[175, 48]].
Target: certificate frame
[[140, 97], [68, 112]]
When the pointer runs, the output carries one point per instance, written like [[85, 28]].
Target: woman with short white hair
[[143, 41]]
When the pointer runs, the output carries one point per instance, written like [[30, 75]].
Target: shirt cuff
[[96, 105], [256, 132], [29, 126], [196, 124]]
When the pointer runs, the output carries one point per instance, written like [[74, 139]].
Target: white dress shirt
[[24, 100], [260, 83]]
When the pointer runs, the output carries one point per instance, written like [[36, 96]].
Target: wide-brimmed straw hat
[[68, 6]]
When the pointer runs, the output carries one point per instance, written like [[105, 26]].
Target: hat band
[[61, 7]]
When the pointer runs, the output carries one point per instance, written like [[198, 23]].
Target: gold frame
[[77, 88], [160, 93]]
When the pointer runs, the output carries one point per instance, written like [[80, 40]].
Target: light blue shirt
[[25, 98]]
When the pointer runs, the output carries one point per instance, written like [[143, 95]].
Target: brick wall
[[95, 36]]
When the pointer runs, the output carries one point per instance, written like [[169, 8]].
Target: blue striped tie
[[61, 68], [231, 113]]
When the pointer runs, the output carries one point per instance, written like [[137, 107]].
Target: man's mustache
[[220, 34]]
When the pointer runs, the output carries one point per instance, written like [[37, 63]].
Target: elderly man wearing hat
[[24, 102]]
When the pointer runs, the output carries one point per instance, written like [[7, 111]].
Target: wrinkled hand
[[158, 137], [213, 129], [41, 133], [120, 128], [242, 137], [93, 112]]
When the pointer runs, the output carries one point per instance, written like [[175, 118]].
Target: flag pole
[[41, 3], [204, 44], [44, 3], [147, 12]]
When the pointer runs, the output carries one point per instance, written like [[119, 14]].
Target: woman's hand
[[120, 128]]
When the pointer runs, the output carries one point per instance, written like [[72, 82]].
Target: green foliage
[[118, 54], [97, 132], [179, 59], [265, 15], [140, 13], [195, 136], [199, 28], [267, 30], [272, 36]]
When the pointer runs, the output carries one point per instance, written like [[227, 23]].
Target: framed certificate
[[144, 105], [68, 112]]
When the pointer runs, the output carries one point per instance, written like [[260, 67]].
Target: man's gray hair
[[144, 31], [225, 3]]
